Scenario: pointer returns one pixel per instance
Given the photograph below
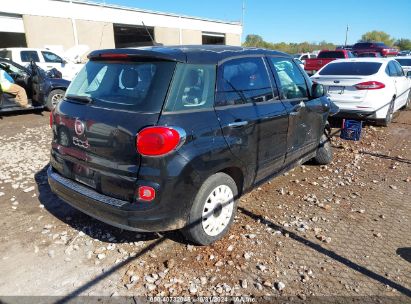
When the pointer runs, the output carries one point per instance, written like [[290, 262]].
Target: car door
[[402, 85], [21, 77], [253, 119], [306, 116]]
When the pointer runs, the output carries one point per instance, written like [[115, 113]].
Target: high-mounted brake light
[[159, 141], [113, 56], [370, 85]]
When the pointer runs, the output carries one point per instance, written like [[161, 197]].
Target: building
[[67, 23]]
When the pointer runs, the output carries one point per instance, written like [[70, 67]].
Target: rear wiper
[[85, 99]]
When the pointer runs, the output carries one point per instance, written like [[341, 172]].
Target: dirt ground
[[342, 230]]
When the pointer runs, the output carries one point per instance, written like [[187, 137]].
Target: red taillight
[[370, 85], [51, 119], [157, 141], [146, 193]]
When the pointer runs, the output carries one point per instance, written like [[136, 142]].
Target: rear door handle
[[237, 124]]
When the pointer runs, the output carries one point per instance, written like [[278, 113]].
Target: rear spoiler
[[158, 54]]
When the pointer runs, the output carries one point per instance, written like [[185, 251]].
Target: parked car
[[404, 53], [379, 47], [405, 63], [165, 138], [344, 47], [44, 58], [44, 89], [366, 88], [300, 63], [303, 56], [369, 54], [324, 57]]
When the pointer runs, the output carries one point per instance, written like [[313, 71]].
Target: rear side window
[[351, 68], [292, 81], [51, 57], [331, 54], [135, 86], [192, 88], [398, 68], [242, 81], [28, 56]]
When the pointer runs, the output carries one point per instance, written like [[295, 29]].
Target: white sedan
[[366, 88]]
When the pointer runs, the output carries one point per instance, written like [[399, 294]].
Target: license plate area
[[336, 89], [84, 175]]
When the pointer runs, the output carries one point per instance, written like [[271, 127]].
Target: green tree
[[403, 44], [254, 41], [377, 36]]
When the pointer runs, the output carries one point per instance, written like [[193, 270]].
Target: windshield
[[351, 68], [404, 62], [134, 86]]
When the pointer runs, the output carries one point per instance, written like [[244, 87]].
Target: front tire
[[213, 210], [54, 98], [324, 152]]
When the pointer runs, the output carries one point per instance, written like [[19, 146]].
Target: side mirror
[[317, 90], [409, 74]]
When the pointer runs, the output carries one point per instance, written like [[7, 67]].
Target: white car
[[44, 58], [405, 63], [366, 88]]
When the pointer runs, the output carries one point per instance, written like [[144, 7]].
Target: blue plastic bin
[[351, 130]]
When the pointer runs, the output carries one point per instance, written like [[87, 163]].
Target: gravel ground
[[338, 230]]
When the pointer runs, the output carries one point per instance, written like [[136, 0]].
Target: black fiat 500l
[[164, 138]]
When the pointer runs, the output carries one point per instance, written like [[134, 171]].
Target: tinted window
[[137, 86], [351, 68], [404, 62], [362, 45], [243, 80], [291, 79], [192, 88], [398, 68], [51, 57], [331, 54], [27, 56]]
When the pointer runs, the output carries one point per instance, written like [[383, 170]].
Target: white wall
[[93, 12]]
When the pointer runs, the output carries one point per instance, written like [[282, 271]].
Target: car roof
[[205, 54], [364, 59]]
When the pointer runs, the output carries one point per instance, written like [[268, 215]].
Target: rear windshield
[[351, 68], [134, 86], [331, 54], [404, 62]]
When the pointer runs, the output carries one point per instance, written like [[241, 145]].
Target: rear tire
[[54, 98], [213, 210], [390, 113], [408, 103], [324, 152]]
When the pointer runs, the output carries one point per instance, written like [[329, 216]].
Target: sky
[[297, 20]]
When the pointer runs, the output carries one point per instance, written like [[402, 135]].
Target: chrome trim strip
[[86, 191]]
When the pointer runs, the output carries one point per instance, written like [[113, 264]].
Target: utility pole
[[242, 19], [346, 36]]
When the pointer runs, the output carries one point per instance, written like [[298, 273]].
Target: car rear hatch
[[342, 79], [342, 88], [95, 127]]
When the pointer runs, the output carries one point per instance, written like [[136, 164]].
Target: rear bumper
[[354, 114], [113, 211]]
